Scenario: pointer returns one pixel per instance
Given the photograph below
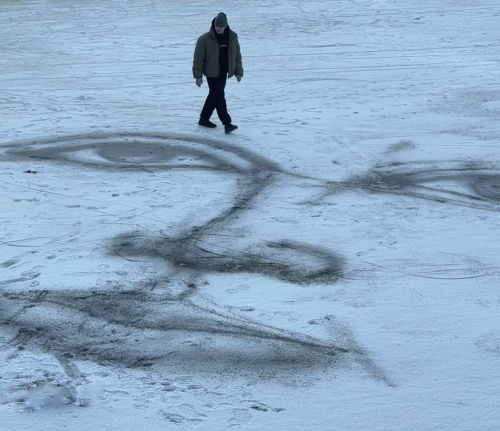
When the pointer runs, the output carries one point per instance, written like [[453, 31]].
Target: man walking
[[217, 56]]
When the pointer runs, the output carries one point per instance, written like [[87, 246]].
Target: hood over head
[[221, 20]]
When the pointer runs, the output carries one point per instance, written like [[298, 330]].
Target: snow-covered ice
[[334, 264]]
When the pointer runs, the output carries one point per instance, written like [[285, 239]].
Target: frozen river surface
[[333, 264]]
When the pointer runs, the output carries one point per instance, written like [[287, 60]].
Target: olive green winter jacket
[[206, 56]]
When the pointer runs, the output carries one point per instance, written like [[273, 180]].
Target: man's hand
[[238, 78], [199, 81]]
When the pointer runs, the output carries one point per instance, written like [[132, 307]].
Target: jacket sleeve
[[239, 63], [199, 58]]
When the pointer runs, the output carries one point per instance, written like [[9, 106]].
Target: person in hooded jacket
[[217, 56]]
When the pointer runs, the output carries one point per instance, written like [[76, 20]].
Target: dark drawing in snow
[[171, 325]]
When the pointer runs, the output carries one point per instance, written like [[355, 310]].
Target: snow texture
[[333, 264]]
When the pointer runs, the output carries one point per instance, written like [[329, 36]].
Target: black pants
[[216, 99]]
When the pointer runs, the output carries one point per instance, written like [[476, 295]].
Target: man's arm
[[199, 60], [239, 64]]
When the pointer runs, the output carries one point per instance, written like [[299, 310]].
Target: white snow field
[[331, 265]]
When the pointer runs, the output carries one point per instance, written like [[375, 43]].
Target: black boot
[[228, 128], [206, 123]]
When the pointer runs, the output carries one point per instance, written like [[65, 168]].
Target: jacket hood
[[214, 33]]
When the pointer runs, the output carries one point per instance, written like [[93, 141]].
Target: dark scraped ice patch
[[203, 254], [140, 330], [478, 182]]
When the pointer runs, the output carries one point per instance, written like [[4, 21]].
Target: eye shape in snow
[[138, 151], [471, 184]]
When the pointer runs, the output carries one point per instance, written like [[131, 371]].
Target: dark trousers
[[216, 99]]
